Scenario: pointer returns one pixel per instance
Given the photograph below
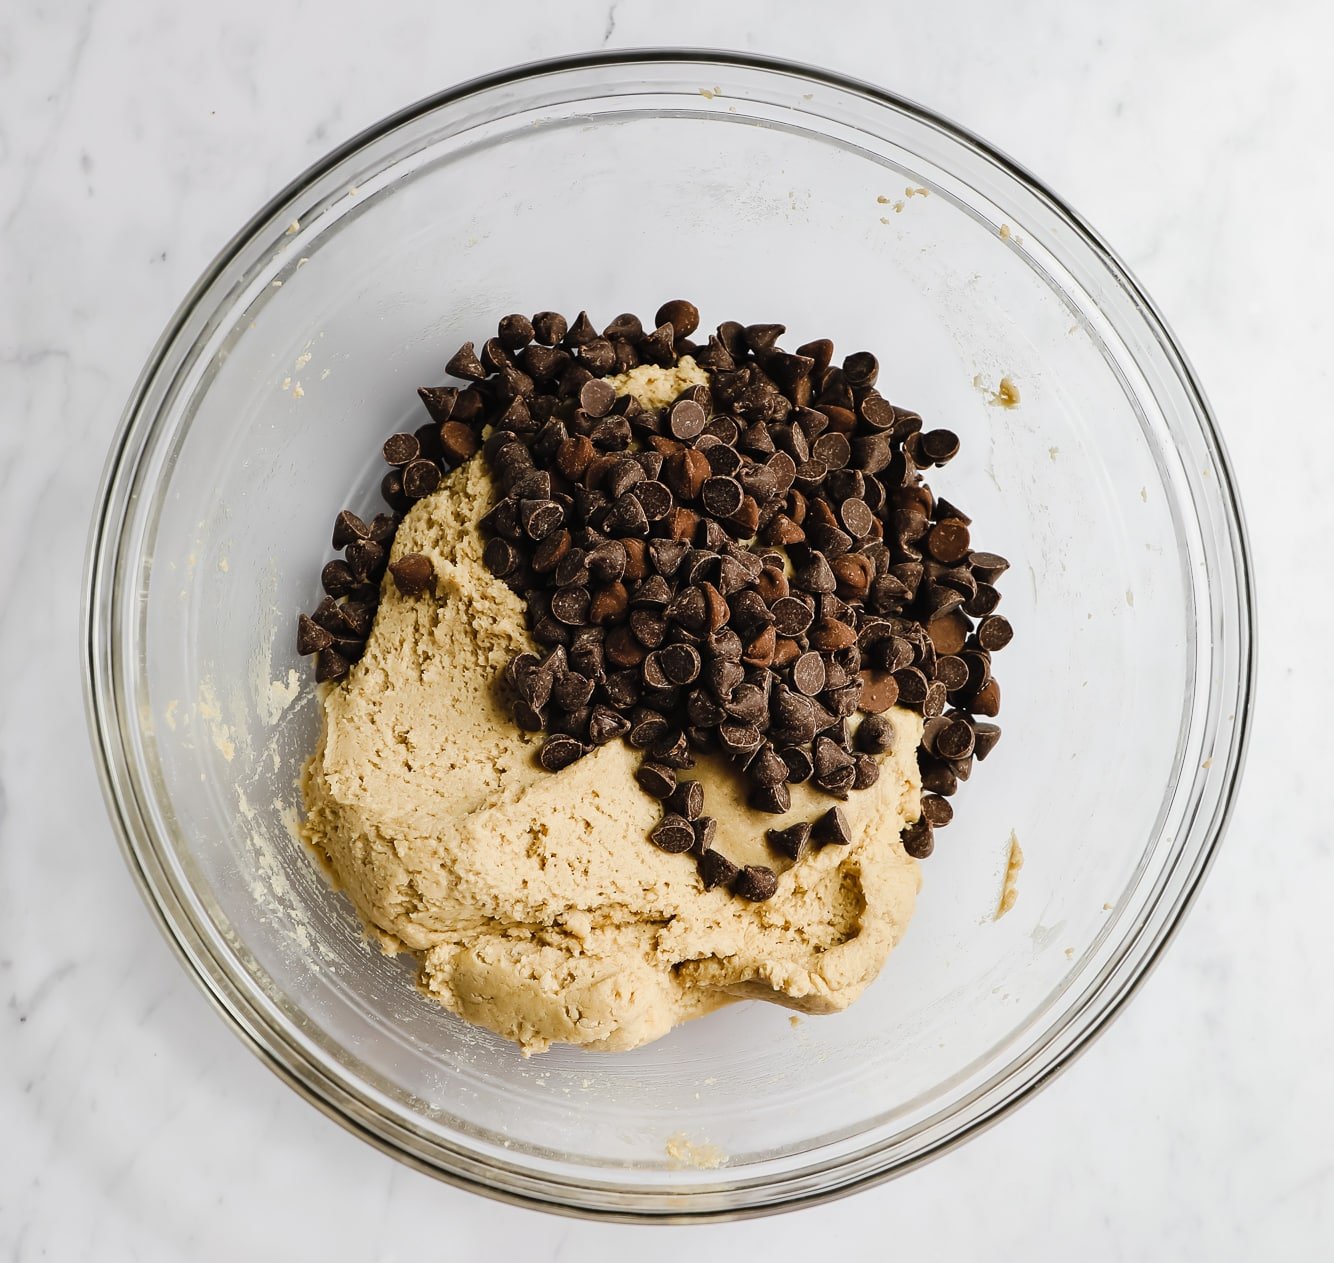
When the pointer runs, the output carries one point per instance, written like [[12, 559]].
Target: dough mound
[[534, 901]]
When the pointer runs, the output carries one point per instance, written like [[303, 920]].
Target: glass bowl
[[761, 191]]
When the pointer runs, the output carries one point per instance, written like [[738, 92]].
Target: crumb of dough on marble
[[1004, 232], [883, 200], [1006, 394], [1010, 889], [275, 284], [297, 392], [224, 565], [169, 712], [302, 360], [794, 1021], [1069, 953], [709, 93], [687, 1153], [534, 902], [1053, 453], [1130, 597], [1144, 494], [916, 191], [285, 384], [293, 228]]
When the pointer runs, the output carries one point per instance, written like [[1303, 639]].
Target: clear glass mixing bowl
[[760, 191]]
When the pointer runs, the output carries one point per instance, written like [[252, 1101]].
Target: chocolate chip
[[948, 634], [715, 869], [918, 840], [986, 701], [861, 369], [605, 724], [773, 800], [686, 420], [831, 829], [515, 332], [833, 765], [994, 633], [938, 777], [337, 578], [401, 449], [331, 666], [936, 811], [681, 315], [465, 364], [985, 737], [366, 558], [420, 478], [948, 541], [939, 446], [596, 397], [310, 636], [413, 574], [551, 555], [829, 634], [540, 517], [570, 606], [912, 686], [687, 799], [988, 567], [622, 649], [458, 442], [755, 882], [875, 735], [815, 576], [722, 496], [559, 751], [794, 841], [832, 450], [348, 529], [739, 738], [674, 834], [951, 672], [808, 674]]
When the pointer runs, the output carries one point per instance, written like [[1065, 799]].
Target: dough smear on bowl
[[535, 902]]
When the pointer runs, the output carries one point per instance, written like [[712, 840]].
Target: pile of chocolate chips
[[742, 572]]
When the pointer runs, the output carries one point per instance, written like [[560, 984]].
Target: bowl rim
[[172, 916]]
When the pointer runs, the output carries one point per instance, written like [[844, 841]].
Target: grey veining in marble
[[135, 137]]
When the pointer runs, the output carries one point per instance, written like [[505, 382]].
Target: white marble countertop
[[135, 137]]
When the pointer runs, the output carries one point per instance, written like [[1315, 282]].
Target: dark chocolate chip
[[918, 840], [420, 478], [559, 751], [985, 737], [936, 811], [401, 449], [687, 799], [674, 834], [413, 574], [465, 364], [831, 829], [994, 633], [794, 841], [773, 800], [755, 882], [331, 666], [808, 674], [715, 869], [310, 636]]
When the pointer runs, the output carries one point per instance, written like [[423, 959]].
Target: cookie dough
[[535, 902]]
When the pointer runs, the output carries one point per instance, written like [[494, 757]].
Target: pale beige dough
[[536, 904]]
